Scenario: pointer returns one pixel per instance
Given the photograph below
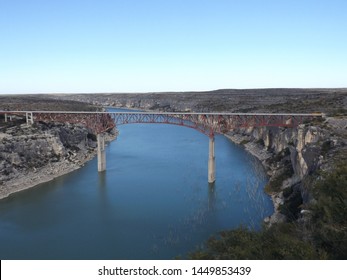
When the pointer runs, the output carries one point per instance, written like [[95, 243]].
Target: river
[[153, 202]]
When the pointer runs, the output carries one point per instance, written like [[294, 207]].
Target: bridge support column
[[211, 161], [29, 117], [101, 153], [5, 117]]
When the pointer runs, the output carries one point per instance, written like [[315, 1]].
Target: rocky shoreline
[[262, 155], [31, 155], [291, 156], [33, 179]]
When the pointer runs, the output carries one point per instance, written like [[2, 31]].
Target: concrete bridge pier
[[8, 117], [29, 117], [211, 162], [101, 152]]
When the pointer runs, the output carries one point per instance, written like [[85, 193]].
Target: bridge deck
[[169, 113]]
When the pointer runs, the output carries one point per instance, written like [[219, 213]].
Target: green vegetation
[[292, 204], [339, 112], [260, 142], [279, 242], [329, 219], [280, 156], [274, 185], [321, 234], [326, 146], [244, 142]]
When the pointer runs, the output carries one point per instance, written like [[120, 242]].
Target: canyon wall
[[290, 156], [30, 155]]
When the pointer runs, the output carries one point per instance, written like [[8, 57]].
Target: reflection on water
[[211, 196], [102, 180], [153, 201]]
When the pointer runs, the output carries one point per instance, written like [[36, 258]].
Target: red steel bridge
[[207, 123]]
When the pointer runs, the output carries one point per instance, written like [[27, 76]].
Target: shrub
[[260, 142], [330, 212], [275, 183], [244, 142], [291, 206], [279, 242], [323, 236], [287, 192], [326, 146]]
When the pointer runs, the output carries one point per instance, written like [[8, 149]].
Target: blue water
[[153, 202]]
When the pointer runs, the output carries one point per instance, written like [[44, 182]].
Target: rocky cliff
[[291, 156], [30, 155]]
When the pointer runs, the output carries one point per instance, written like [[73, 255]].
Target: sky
[[75, 46]]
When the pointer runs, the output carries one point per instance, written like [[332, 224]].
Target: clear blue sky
[[171, 45]]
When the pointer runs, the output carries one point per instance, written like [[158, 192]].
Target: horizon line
[[185, 91]]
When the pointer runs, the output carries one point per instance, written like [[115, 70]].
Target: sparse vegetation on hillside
[[42, 103], [274, 100], [329, 213], [321, 233]]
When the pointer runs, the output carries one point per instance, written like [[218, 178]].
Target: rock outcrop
[[291, 156], [30, 155]]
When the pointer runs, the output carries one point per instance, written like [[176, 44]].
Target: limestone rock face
[[29, 153], [302, 143], [308, 152], [289, 155]]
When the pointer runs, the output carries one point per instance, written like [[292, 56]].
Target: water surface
[[153, 202]]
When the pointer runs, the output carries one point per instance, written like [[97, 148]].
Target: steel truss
[[207, 123], [213, 122]]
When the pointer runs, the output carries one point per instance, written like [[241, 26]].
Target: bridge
[[207, 123]]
